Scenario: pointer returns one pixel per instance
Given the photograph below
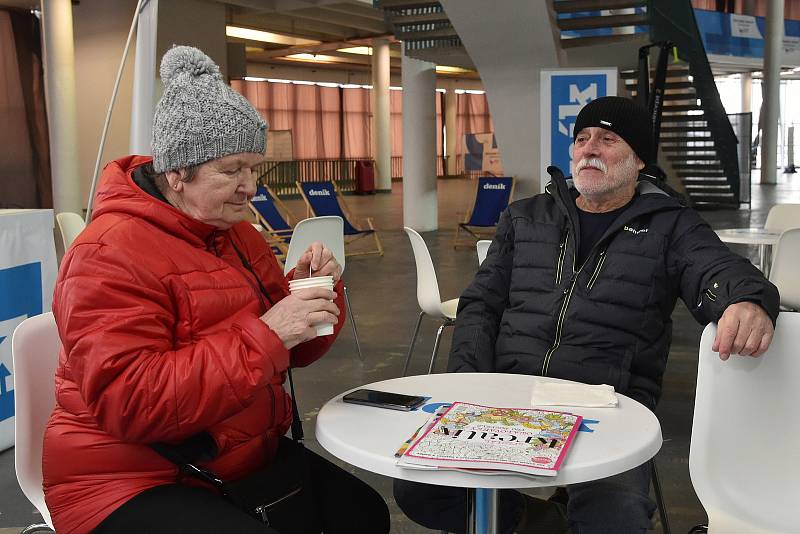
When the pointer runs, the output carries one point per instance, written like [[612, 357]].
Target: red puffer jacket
[[162, 340]]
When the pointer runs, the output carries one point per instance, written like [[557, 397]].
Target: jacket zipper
[[562, 314], [597, 269], [561, 255]]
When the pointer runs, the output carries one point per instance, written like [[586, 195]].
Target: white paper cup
[[323, 329]]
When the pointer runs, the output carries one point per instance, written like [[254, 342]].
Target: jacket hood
[[118, 193]]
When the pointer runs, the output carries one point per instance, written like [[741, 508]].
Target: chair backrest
[[264, 203], [743, 457], [483, 249], [327, 230], [782, 217], [491, 198], [70, 225], [427, 286], [35, 346], [784, 268], [323, 201]]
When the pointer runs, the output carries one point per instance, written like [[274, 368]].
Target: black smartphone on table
[[383, 399]]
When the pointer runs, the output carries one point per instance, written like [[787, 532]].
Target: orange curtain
[[25, 180], [357, 111]]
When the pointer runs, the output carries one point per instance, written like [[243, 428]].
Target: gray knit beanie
[[199, 117]]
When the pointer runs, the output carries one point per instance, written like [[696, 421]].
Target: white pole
[[420, 208], [104, 134], [382, 115], [144, 80], [62, 107], [450, 119], [773, 55]]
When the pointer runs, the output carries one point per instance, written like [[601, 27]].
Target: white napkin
[[546, 393]]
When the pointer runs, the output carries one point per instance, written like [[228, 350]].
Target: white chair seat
[[449, 308]]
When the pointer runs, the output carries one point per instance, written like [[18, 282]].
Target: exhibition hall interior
[[559, 239]]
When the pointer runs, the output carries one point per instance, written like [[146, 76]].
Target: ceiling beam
[[340, 19], [355, 9]]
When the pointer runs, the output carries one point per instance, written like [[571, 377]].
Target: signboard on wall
[[279, 145], [743, 35], [563, 93], [482, 154]]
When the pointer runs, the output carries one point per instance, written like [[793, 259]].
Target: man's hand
[[745, 329], [317, 260], [292, 318]]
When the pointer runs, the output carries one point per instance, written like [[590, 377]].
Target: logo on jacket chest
[[634, 231]]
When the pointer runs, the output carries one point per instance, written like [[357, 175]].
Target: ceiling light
[[266, 37], [318, 58], [451, 70], [360, 50], [254, 79]]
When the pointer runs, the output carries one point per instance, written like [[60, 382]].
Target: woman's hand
[[292, 318], [318, 260]]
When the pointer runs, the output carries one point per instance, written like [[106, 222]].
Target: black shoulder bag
[[260, 493]]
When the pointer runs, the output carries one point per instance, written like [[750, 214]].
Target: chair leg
[[662, 510], [413, 340], [39, 527], [436, 343], [352, 323]]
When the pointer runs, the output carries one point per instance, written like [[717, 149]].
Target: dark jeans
[[616, 505], [336, 502]]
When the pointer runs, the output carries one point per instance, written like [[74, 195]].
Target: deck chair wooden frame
[[277, 239], [477, 232], [348, 218]]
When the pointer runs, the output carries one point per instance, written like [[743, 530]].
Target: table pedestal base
[[482, 511]]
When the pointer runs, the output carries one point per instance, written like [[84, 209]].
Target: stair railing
[[674, 20]]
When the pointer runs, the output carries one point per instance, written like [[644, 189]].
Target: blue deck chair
[[265, 206], [492, 196], [323, 199]]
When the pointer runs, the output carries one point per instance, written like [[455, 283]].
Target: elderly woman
[[178, 329]]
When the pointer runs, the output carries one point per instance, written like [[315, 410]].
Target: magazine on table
[[490, 440]]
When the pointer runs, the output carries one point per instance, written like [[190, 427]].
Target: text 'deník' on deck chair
[[275, 219], [492, 195], [324, 198]]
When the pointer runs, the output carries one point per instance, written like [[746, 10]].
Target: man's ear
[[639, 164], [175, 179]]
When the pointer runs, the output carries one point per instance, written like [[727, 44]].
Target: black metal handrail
[[674, 20]]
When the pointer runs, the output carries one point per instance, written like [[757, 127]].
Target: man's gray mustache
[[591, 162]]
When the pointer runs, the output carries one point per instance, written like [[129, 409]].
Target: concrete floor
[[383, 296]]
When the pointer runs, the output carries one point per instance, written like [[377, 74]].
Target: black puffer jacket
[[531, 310]]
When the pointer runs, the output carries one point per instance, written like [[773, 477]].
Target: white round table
[[753, 236], [621, 438]]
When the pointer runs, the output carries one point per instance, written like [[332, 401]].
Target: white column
[[450, 118], [420, 207], [62, 108], [773, 55], [747, 92], [381, 114], [143, 103]]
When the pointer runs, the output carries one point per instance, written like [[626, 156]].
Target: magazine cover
[[470, 436]]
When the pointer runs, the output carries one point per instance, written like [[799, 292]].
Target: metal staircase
[[426, 31], [698, 144]]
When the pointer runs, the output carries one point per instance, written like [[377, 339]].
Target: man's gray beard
[[615, 179]]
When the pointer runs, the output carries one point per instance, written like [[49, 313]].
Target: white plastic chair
[[784, 268], [743, 457], [328, 230], [782, 217], [428, 297], [34, 346], [483, 249], [70, 225]]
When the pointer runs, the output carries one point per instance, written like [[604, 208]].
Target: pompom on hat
[[199, 117], [623, 116]]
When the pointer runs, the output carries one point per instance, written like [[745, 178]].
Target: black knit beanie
[[623, 116]]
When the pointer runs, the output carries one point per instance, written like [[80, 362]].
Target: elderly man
[[580, 283]]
